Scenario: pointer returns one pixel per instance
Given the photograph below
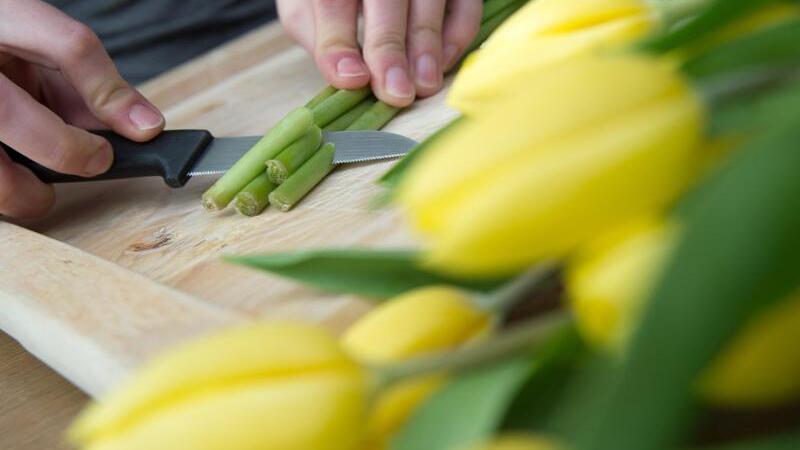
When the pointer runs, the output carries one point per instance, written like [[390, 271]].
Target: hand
[[408, 44], [56, 80]]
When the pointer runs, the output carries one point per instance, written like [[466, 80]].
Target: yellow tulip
[[519, 442], [583, 146], [544, 32], [279, 386], [425, 320], [608, 281]]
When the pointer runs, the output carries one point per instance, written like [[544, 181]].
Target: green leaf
[[543, 392], [775, 46], [712, 18], [467, 410], [392, 177], [376, 274], [739, 253], [782, 441], [747, 116]]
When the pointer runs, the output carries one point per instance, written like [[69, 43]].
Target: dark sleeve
[[148, 37]]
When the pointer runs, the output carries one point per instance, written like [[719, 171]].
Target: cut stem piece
[[292, 157], [326, 92], [374, 118], [254, 198], [285, 196], [337, 104], [251, 165], [346, 119]]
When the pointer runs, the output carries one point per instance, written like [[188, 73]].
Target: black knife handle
[[170, 156]]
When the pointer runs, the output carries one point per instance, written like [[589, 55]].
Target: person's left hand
[[408, 44]]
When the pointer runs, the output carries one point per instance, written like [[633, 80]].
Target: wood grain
[[132, 266], [37, 404]]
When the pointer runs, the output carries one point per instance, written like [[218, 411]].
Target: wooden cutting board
[[122, 269]]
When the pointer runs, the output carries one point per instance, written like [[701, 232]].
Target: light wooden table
[[154, 255], [36, 403]]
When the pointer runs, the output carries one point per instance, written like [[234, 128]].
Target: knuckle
[[80, 42], [427, 31], [107, 92], [65, 157], [387, 42]]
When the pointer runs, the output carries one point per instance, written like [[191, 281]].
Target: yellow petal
[[761, 366], [608, 281], [323, 411], [519, 442], [542, 204], [549, 17], [609, 278], [421, 321], [479, 83], [248, 353], [424, 320], [393, 407], [557, 103]]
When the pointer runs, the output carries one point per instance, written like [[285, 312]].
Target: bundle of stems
[[290, 160]]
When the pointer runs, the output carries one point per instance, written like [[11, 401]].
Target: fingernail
[[100, 162], [427, 72], [397, 83], [350, 67], [450, 54], [144, 117]]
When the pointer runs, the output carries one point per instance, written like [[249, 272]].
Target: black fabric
[[148, 37]]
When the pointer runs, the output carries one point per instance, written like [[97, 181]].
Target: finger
[[297, 19], [336, 49], [461, 25], [42, 136], [22, 195], [385, 50], [52, 37], [425, 44]]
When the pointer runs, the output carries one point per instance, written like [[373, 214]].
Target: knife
[[177, 155]]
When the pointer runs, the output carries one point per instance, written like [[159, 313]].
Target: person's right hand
[[56, 80]]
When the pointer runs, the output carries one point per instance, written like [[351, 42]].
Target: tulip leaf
[[377, 274], [712, 18], [780, 441], [470, 408], [757, 113], [775, 46], [738, 254], [392, 177]]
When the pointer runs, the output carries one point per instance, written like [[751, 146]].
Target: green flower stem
[[285, 196], [520, 339], [337, 104], [326, 92], [254, 198], [349, 117], [519, 289], [251, 165], [492, 23], [293, 156], [492, 7], [673, 11], [374, 118]]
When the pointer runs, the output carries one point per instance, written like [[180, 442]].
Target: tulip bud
[[608, 281], [578, 149], [545, 32], [279, 386], [519, 442], [424, 320]]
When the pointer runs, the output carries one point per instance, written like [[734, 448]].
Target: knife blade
[[351, 147], [178, 155]]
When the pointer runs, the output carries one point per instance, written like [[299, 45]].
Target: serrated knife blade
[[351, 147]]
